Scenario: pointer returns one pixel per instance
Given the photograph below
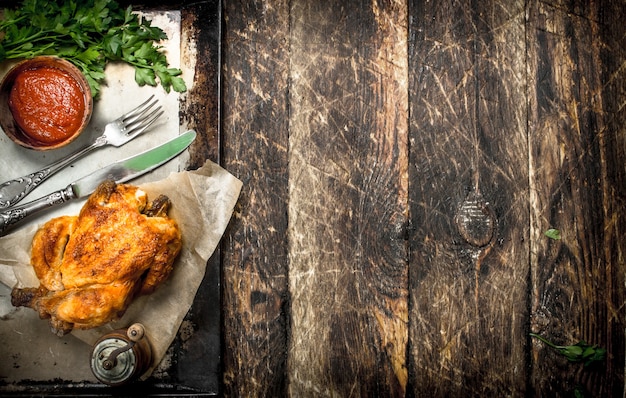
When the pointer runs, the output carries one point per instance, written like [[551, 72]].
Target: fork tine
[[139, 109], [146, 116], [139, 115], [139, 126]]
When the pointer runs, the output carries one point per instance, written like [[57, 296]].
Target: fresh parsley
[[579, 352], [89, 33]]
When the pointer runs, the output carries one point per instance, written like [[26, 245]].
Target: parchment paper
[[202, 204]]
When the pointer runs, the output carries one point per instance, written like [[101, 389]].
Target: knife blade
[[120, 172]]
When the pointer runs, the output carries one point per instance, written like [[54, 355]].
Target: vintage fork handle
[[15, 190], [12, 216]]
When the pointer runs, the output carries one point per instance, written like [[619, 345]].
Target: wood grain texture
[[399, 175], [469, 199], [348, 198], [577, 181], [254, 145]]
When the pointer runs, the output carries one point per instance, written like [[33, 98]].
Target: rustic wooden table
[[401, 162]]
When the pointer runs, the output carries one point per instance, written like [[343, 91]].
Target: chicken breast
[[93, 265]]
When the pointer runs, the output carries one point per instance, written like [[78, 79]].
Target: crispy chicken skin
[[91, 266]]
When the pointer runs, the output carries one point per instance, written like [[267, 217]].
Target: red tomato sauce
[[47, 103]]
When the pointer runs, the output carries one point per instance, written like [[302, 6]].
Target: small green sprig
[[579, 352], [88, 33]]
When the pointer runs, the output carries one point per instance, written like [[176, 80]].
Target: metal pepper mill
[[121, 356]]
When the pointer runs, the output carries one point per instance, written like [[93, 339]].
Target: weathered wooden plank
[[577, 140], [254, 145], [612, 55], [348, 198], [468, 199]]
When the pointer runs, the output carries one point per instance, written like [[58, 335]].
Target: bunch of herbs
[[89, 34]]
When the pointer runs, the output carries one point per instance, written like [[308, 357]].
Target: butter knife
[[120, 172]]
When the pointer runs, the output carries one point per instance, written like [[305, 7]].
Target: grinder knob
[[136, 332]]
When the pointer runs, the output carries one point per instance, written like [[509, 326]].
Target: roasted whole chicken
[[93, 265]]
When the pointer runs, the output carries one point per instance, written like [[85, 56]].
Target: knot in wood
[[475, 220]]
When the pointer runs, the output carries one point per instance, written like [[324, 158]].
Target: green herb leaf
[[178, 84], [553, 234], [145, 76], [89, 34]]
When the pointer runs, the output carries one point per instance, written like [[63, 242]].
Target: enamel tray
[[192, 363]]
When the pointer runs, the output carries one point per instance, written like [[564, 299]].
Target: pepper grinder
[[121, 356]]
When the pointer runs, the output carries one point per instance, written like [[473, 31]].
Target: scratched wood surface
[[468, 186], [401, 162], [577, 147], [255, 146], [347, 199]]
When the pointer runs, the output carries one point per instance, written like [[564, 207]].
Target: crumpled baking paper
[[202, 203]]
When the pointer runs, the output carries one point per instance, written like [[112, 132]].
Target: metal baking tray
[[191, 366]]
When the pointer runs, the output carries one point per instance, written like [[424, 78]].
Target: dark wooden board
[[401, 162], [348, 198], [577, 140], [255, 148], [469, 199], [302, 177], [395, 203]]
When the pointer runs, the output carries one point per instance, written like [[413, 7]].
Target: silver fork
[[116, 133]]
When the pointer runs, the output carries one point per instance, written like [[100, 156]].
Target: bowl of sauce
[[45, 103]]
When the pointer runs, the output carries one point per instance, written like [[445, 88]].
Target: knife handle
[[13, 215], [14, 190]]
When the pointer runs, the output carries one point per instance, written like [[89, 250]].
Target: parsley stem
[[547, 342]]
